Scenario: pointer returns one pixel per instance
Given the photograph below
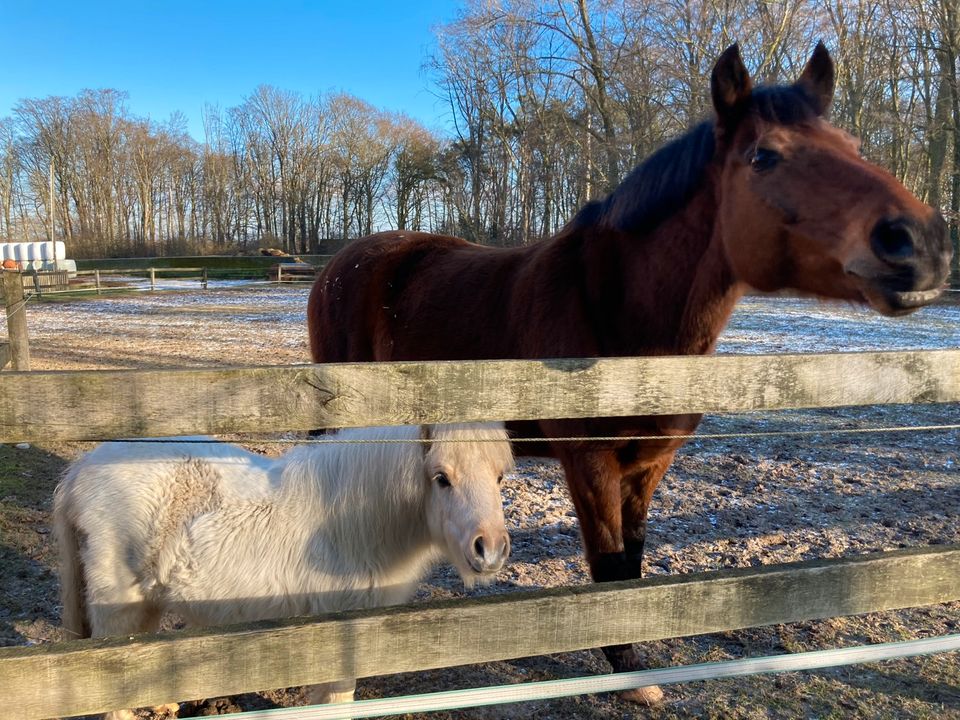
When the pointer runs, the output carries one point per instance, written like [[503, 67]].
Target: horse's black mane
[[665, 181]]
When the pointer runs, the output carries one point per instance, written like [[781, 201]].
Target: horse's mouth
[[894, 303]]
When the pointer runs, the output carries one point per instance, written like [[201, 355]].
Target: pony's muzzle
[[489, 551]]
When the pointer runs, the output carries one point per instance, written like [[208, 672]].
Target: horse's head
[[464, 466], [799, 207]]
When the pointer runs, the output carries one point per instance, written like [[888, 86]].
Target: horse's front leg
[[611, 489], [593, 478], [636, 491]]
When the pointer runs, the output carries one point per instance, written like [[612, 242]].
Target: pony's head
[[464, 466], [800, 208]]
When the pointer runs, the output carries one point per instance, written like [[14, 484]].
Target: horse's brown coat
[[767, 195]]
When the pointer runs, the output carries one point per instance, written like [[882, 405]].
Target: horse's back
[[416, 296], [352, 297]]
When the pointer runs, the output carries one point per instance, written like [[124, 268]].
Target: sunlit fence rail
[[97, 675]]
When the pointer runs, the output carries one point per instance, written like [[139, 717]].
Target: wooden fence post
[[96, 277], [16, 319], [153, 279], [203, 281]]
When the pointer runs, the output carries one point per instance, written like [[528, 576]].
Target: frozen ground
[[778, 324], [735, 502], [273, 319]]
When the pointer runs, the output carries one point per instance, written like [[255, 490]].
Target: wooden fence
[[196, 273], [97, 675]]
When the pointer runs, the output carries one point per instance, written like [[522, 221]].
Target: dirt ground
[[725, 503]]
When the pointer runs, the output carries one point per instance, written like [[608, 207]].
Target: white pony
[[218, 534]]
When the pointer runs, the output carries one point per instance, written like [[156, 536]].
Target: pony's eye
[[500, 480], [442, 480], [764, 159]]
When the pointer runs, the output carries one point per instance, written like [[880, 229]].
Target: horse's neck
[[679, 289], [368, 501]]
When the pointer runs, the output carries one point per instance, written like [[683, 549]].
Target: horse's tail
[[72, 586]]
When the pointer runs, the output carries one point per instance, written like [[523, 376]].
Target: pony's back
[[118, 504]]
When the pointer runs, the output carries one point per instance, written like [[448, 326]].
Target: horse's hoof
[[648, 696]]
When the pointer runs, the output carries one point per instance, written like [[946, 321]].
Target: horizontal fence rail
[[103, 404], [98, 675]]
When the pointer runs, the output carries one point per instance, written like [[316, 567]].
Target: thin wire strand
[[567, 687], [333, 440]]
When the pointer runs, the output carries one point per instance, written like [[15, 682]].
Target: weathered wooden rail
[[92, 676], [96, 675], [137, 403]]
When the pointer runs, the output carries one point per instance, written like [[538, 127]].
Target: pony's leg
[[118, 611], [120, 715], [333, 692]]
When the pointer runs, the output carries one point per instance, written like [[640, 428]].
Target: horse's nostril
[[892, 240], [478, 546]]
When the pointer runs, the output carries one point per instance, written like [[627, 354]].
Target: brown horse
[[767, 195]]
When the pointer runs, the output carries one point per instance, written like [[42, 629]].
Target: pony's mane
[[392, 460], [315, 470], [667, 179]]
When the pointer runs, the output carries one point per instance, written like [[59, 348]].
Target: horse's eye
[[764, 159], [441, 479]]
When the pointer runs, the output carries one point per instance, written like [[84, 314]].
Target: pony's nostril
[[893, 240], [478, 546]]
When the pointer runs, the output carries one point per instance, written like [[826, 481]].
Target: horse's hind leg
[[332, 692]]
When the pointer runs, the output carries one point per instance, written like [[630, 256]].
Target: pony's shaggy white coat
[[218, 534]]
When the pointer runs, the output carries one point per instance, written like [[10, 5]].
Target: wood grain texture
[[93, 405], [98, 675], [16, 319]]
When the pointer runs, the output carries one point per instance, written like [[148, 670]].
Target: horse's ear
[[426, 434], [817, 79], [730, 85]]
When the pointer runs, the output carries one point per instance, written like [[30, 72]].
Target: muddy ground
[[738, 502]]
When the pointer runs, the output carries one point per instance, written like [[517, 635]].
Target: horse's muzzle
[[909, 267]]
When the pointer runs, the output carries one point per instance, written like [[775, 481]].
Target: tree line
[[549, 104]]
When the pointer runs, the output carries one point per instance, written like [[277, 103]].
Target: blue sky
[[179, 55]]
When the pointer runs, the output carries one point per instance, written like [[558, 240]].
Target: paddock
[[759, 501]]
